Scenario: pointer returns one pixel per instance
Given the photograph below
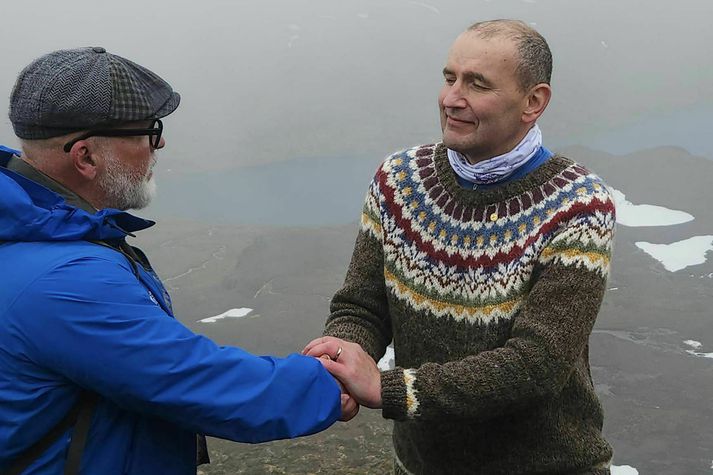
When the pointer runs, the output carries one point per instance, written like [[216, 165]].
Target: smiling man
[[96, 374], [484, 259]]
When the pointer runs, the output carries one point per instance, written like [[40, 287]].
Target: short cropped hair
[[535, 62]]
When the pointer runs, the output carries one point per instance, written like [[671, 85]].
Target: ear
[[537, 100], [84, 159]]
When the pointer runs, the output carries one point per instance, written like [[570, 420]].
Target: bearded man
[[96, 374]]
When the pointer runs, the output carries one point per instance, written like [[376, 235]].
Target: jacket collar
[[23, 168], [37, 208]]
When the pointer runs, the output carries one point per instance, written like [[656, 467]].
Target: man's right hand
[[349, 363]]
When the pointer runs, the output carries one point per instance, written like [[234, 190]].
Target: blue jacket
[[78, 314]]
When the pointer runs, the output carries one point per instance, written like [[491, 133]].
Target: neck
[[499, 167], [53, 181]]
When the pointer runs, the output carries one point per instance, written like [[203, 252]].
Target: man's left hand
[[349, 363]]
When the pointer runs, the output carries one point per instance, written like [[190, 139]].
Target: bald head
[[534, 56]]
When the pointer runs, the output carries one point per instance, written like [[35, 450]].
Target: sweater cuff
[[358, 334], [399, 398]]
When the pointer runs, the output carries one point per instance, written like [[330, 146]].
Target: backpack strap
[[80, 434], [79, 416]]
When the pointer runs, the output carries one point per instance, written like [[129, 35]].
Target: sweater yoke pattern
[[473, 259], [489, 297]]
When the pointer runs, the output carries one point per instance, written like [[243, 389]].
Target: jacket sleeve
[[359, 311], [548, 336], [92, 322]]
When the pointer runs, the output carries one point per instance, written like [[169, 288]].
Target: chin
[[151, 188], [143, 196], [148, 193], [453, 144]]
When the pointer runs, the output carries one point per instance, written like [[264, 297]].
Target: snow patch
[[696, 345], [680, 254], [388, 361], [623, 470], [232, 313], [693, 343], [633, 215]]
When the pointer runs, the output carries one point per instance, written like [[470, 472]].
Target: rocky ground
[[655, 392]]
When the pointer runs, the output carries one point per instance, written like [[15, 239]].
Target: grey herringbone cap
[[78, 89]]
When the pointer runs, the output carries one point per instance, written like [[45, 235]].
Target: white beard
[[125, 191]]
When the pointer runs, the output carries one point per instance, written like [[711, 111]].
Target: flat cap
[[78, 89]]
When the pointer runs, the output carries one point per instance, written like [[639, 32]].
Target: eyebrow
[[470, 76]]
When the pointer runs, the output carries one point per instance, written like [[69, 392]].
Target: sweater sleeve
[[105, 333], [548, 336], [359, 310]]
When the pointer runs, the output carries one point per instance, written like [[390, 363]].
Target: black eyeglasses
[[154, 133]]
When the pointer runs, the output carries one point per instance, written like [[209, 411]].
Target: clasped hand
[[354, 369]]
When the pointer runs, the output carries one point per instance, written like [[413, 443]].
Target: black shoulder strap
[[79, 416], [80, 434]]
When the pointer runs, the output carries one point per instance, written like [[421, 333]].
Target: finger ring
[[339, 352]]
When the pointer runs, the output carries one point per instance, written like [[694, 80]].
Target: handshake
[[356, 372]]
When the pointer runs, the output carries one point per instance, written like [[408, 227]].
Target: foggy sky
[[267, 81]]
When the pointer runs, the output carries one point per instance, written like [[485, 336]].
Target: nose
[[452, 95], [161, 143]]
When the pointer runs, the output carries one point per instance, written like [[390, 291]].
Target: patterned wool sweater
[[490, 297]]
